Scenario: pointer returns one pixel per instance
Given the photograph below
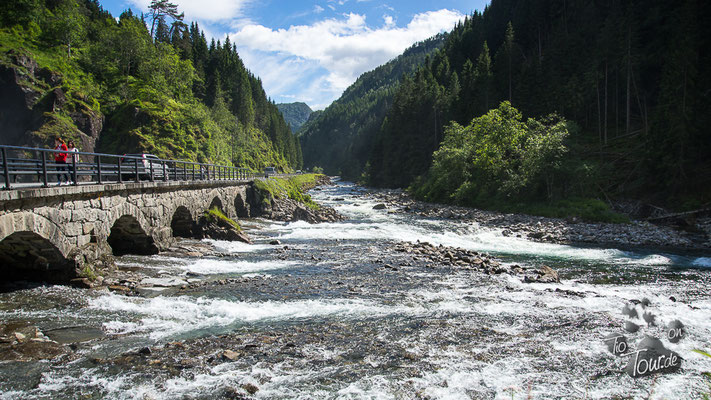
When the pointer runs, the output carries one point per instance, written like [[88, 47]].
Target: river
[[334, 312]]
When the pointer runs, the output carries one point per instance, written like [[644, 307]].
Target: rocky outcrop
[[291, 210], [209, 227], [544, 274], [31, 100], [266, 205], [24, 342], [444, 256]]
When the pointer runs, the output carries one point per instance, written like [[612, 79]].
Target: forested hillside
[[629, 77], [339, 139], [632, 75], [295, 114], [132, 84]]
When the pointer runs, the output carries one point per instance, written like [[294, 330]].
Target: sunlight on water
[[209, 266], [440, 333], [162, 316]]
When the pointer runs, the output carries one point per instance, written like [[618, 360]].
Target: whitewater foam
[[238, 247], [212, 266], [166, 316]]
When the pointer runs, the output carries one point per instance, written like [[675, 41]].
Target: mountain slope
[[295, 114], [632, 75], [339, 139], [69, 68]]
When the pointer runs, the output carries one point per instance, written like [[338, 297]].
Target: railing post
[[150, 170], [165, 175], [120, 177], [6, 168], [193, 172], [185, 171], [44, 169], [135, 164], [98, 169]]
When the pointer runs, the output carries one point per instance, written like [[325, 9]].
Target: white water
[[462, 301]]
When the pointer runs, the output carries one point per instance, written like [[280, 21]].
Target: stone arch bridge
[[55, 233]]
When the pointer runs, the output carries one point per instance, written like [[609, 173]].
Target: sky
[[311, 51]]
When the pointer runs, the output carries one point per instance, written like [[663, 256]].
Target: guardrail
[[30, 167]]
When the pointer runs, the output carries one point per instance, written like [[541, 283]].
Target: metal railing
[[31, 167]]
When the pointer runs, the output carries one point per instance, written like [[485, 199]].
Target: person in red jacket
[[61, 160]]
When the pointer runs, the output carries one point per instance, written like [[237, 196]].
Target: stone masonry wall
[[77, 221]]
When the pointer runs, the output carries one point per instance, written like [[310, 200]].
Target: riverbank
[[285, 199], [382, 303], [553, 230]]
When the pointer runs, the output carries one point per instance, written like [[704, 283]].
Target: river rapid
[[335, 312]]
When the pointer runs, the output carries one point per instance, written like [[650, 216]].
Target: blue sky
[[311, 51]]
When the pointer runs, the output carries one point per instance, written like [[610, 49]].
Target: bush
[[292, 188], [496, 157], [215, 214]]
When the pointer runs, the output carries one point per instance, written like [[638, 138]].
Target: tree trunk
[[605, 125], [599, 112], [629, 79]]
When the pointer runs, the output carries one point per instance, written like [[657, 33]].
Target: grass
[[591, 210], [88, 272], [215, 214], [706, 396], [292, 188]]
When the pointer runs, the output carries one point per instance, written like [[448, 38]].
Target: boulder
[[545, 274], [209, 228]]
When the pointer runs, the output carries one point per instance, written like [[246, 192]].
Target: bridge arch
[[42, 226], [127, 236], [241, 207], [33, 247], [26, 255], [181, 223], [216, 202]]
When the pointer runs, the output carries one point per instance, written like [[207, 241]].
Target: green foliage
[[292, 188], [496, 158], [706, 396], [150, 85], [340, 138], [500, 162], [628, 73], [88, 272], [592, 210], [215, 214]]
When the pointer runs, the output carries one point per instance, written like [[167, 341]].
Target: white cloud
[[204, 10], [343, 48], [318, 9]]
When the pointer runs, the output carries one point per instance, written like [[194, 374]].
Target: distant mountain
[[295, 114], [340, 138]]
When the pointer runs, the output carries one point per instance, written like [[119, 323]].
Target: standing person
[[74, 160], [61, 160]]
